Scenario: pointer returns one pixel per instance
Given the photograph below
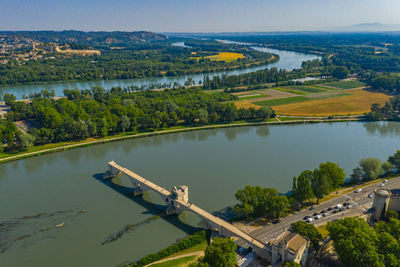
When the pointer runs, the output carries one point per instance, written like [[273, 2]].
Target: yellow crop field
[[358, 102], [245, 104], [226, 56]]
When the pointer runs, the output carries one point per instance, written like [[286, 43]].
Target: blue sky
[[194, 15]]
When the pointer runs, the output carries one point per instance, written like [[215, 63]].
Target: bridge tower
[[180, 193]]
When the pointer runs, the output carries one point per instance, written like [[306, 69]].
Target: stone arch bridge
[[177, 201]]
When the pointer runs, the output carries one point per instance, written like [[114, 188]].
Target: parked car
[[276, 221], [323, 211], [325, 214], [348, 207], [338, 206], [315, 214], [385, 181], [381, 185], [370, 195], [330, 208], [342, 209], [318, 217], [306, 217], [358, 190], [309, 220], [346, 204], [335, 211]]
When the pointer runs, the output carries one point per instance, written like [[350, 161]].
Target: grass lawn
[[358, 102], [175, 263], [322, 230], [199, 247], [282, 101], [346, 84]]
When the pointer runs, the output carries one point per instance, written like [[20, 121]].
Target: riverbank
[[62, 146]]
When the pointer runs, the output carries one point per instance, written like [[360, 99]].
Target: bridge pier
[[111, 172], [138, 189]]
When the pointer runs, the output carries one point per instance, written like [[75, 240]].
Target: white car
[[381, 185], [349, 207], [318, 217], [358, 190], [338, 206], [309, 220], [325, 214], [370, 195], [385, 181]]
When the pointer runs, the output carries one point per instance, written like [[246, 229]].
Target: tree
[[264, 113], [308, 230], [372, 168], [340, 72], [355, 242], [301, 189], [277, 206], [320, 184], [333, 172], [386, 167], [356, 176], [395, 160], [221, 253], [9, 99], [26, 141], [125, 123]]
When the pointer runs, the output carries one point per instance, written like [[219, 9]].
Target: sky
[[194, 15]]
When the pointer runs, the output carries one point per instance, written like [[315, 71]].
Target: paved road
[[360, 204]]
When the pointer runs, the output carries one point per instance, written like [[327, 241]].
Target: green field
[[311, 89], [174, 263], [282, 101], [346, 85], [291, 90]]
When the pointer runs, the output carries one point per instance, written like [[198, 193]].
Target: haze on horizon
[[194, 15]]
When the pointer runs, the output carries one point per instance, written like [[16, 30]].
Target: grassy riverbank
[[62, 146]]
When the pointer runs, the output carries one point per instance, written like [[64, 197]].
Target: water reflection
[[383, 128]]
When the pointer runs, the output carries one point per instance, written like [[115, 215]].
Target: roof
[[291, 240]]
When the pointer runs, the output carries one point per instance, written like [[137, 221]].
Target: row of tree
[[390, 111], [99, 112]]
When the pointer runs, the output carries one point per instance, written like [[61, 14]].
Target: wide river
[[38, 193], [287, 60]]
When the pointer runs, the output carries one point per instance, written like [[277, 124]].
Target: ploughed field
[[325, 99]]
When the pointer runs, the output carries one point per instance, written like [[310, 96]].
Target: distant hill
[[368, 27], [91, 38]]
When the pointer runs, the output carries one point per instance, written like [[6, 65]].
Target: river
[[288, 60], [40, 192]]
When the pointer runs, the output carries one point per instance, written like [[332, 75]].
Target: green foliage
[[390, 111], [395, 159], [357, 175], [301, 188], [9, 99], [355, 242], [291, 264], [183, 244], [221, 253], [100, 113], [372, 168], [333, 172], [308, 230], [26, 141], [256, 201], [340, 72]]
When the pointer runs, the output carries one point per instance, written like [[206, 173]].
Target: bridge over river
[[177, 201]]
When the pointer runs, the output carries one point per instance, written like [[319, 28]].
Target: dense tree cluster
[[98, 112], [390, 111], [256, 201], [357, 244], [262, 76], [318, 183], [136, 61], [390, 83]]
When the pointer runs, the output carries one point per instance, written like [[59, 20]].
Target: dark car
[[276, 221], [323, 211], [315, 214], [346, 204], [311, 208], [342, 209], [330, 208], [307, 217], [335, 211]]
